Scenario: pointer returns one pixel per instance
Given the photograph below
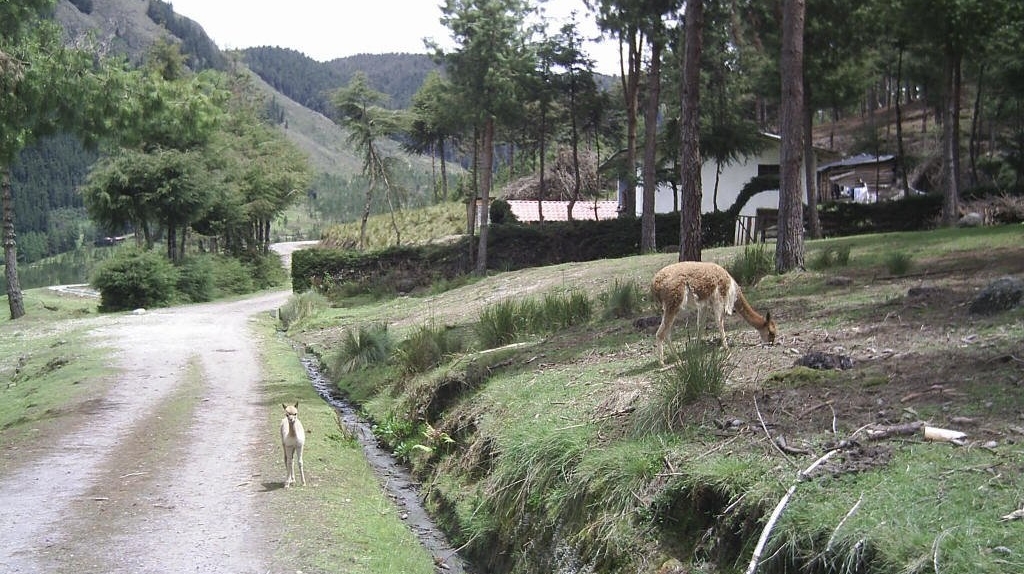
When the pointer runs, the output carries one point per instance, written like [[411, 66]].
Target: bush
[[195, 279], [899, 263], [233, 277], [831, 256], [501, 212], [266, 270], [135, 279]]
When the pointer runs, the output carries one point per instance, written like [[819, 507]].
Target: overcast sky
[[329, 29]]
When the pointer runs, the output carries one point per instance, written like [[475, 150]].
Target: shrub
[[427, 347], [232, 276], [195, 279], [623, 299], [501, 212], [831, 256], [369, 345], [755, 262], [135, 279], [267, 271]]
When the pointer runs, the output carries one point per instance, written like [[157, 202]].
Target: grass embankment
[[544, 455]]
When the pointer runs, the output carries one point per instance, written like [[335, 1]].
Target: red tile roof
[[585, 209]]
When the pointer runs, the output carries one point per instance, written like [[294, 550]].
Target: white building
[[730, 182]]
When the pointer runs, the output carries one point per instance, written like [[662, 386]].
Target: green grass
[[341, 521], [48, 363], [541, 447]]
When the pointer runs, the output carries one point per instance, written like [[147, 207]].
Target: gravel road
[[161, 474]]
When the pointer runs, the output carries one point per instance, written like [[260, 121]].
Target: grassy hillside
[[573, 449]]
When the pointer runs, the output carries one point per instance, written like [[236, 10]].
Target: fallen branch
[[800, 477], [768, 434], [884, 432], [852, 511]]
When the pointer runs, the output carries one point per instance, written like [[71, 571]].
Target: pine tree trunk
[[14, 296], [648, 241], [951, 141], [689, 149], [486, 174], [811, 175], [789, 248]]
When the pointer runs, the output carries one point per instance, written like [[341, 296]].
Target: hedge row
[[513, 246]]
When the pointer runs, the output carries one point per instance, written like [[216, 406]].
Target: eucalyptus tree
[[433, 124], [153, 176], [258, 170], [789, 248], [637, 24], [487, 66], [361, 110], [956, 29], [576, 83], [45, 88], [729, 131], [839, 61]]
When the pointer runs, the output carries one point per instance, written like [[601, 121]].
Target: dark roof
[[855, 160]]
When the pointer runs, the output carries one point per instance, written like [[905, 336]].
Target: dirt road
[[160, 476]]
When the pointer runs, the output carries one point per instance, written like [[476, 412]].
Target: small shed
[[864, 178]]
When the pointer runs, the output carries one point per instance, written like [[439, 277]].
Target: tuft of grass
[[300, 307], [505, 321], [560, 310], [831, 256], [361, 348], [427, 348], [499, 324], [697, 370], [899, 263], [623, 299], [755, 262]]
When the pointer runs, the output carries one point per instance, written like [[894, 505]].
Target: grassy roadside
[[551, 467], [341, 521], [48, 369]]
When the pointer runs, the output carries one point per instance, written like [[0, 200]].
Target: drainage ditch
[[395, 479]]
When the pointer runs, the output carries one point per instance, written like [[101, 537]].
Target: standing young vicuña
[[293, 437], [701, 285]]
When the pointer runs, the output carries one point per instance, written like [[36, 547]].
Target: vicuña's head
[[767, 330], [291, 412]]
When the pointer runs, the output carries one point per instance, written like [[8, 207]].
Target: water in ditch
[[395, 479]]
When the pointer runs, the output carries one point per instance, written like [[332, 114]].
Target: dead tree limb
[[766, 533]]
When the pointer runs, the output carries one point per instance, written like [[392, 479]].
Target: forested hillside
[[50, 216], [311, 83]]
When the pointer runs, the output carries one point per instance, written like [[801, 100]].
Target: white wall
[[734, 176]]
